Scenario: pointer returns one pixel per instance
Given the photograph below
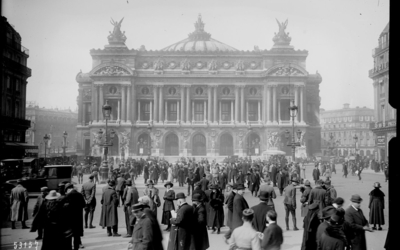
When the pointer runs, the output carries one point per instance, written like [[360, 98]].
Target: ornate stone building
[[197, 97]]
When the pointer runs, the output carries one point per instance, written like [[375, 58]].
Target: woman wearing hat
[[216, 217], [152, 193], [169, 198], [376, 206], [199, 234]]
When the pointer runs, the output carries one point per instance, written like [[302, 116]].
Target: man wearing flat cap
[[109, 212], [290, 203], [259, 220], [130, 197], [355, 217], [43, 192], [19, 205], [89, 194], [180, 236], [200, 239], [325, 215]]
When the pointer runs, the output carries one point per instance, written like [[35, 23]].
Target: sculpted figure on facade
[[96, 149], [273, 139], [124, 143], [111, 70], [158, 64], [240, 65], [117, 36], [212, 65], [185, 65], [282, 37]]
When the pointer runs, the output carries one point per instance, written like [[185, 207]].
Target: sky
[[339, 36]]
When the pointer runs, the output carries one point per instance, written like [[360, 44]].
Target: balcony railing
[[16, 45], [10, 64], [381, 68], [11, 121]]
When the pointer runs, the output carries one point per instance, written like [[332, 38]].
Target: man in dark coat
[[316, 174], [44, 191], [222, 180], [280, 181], [204, 183], [355, 217], [325, 215], [273, 235], [290, 203], [199, 234], [19, 205], [109, 212], [239, 204], [130, 198], [120, 187], [181, 232], [229, 204], [216, 217], [73, 207], [198, 190], [89, 194], [273, 174], [144, 235], [260, 210]]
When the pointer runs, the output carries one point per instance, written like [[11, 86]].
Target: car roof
[[57, 166], [12, 160]]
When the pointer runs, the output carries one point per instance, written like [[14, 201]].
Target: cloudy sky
[[338, 34]]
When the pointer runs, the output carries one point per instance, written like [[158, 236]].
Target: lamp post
[[64, 146], [331, 144], [46, 138], [355, 144], [105, 144], [149, 128], [293, 144], [249, 129]]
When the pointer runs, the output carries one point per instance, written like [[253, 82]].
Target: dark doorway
[[253, 144], [199, 145], [87, 147], [172, 145], [226, 145], [114, 149], [144, 145]]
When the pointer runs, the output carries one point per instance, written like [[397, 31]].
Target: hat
[[19, 180], [138, 206], [149, 182], [240, 186], [111, 183], [44, 189], [307, 183], [327, 212], [180, 196], [204, 175], [128, 182], [356, 198], [168, 183], [294, 179], [234, 186], [338, 201], [327, 183], [264, 196], [197, 184], [319, 182], [248, 212], [53, 195], [197, 197], [91, 176], [214, 186], [377, 185], [68, 185], [229, 185]]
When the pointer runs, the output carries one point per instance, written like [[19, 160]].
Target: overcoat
[[207, 205], [317, 196], [316, 174], [170, 174], [376, 206], [19, 199], [259, 219], [239, 204], [222, 180], [199, 234], [329, 242], [273, 174], [197, 190], [144, 236], [109, 203], [169, 198], [280, 180], [130, 198], [229, 204], [304, 198], [357, 221], [153, 195], [216, 217], [181, 232], [73, 208], [204, 184]]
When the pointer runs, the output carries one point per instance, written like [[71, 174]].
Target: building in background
[[197, 97], [384, 126], [13, 74], [52, 122], [338, 128]]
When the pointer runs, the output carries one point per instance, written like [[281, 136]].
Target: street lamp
[[46, 138], [293, 144], [249, 129], [355, 144], [64, 147], [106, 114]]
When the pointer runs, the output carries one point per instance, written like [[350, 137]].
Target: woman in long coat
[[376, 206], [216, 217], [169, 198], [280, 181]]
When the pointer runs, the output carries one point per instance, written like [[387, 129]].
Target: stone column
[[151, 111], [386, 84], [264, 103], [268, 104], [376, 101], [192, 110], [259, 111], [123, 106], [232, 112], [296, 99], [166, 111], [84, 114], [178, 113], [219, 111], [138, 111], [243, 116], [80, 108], [182, 118], [205, 110], [209, 90], [134, 102], [94, 106], [119, 111], [380, 117], [155, 92], [101, 102], [215, 105], [302, 111], [128, 105], [274, 104], [161, 109], [188, 102], [237, 104]]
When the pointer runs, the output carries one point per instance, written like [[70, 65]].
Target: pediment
[[286, 70], [111, 69]]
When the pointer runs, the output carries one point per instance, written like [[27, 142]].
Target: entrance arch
[[171, 145], [226, 145], [144, 145], [114, 149], [253, 144], [199, 145]]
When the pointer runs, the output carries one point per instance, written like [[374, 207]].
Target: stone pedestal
[[240, 152], [185, 152]]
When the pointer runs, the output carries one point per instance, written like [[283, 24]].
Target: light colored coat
[[170, 175], [19, 200], [245, 237]]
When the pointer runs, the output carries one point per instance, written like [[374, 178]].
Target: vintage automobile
[[50, 177]]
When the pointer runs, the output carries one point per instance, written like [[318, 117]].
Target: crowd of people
[[217, 194]]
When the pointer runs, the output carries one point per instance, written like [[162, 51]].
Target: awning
[[28, 160], [21, 145]]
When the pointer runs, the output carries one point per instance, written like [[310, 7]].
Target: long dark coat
[[169, 198], [144, 236], [357, 221], [19, 203], [317, 196], [329, 242], [73, 208], [216, 217], [197, 190], [222, 180], [207, 205], [259, 219], [311, 224], [316, 174], [199, 234], [229, 204], [376, 206], [304, 198], [181, 231], [239, 204], [280, 180], [273, 174], [109, 203]]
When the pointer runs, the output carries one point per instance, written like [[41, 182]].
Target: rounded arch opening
[[226, 145], [199, 145], [144, 144], [171, 144]]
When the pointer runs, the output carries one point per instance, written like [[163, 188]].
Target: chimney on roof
[[346, 106]]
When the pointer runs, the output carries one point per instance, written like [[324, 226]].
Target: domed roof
[[199, 40]]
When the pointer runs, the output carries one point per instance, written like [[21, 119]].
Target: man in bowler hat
[[259, 220]]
